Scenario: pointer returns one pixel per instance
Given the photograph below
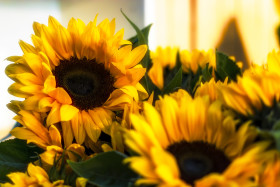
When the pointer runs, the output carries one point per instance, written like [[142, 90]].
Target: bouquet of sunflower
[[98, 110]]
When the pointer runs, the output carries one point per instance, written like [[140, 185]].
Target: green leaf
[[176, 82], [142, 38], [105, 169], [59, 171], [196, 84], [15, 155], [206, 73], [145, 31], [191, 81], [140, 35], [276, 136], [226, 67], [276, 125]]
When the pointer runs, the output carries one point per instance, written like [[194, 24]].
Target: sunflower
[[192, 60], [273, 62], [48, 137], [79, 75], [252, 91], [271, 174], [35, 176], [161, 58], [35, 130], [255, 96], [210, 88], [192, 144], [257, 88]]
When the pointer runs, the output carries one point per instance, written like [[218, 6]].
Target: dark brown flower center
[[197, 159], [87, 82]]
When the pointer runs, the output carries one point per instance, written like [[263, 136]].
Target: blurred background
[[245, 29]]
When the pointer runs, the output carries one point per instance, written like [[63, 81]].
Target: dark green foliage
[[174, 83], [15, 155], [145, 32], [105, 169], [267, 120], [140, 39], [225, 67], [59, 171]]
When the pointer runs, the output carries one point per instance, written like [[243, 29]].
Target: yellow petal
[[14, 58], [37, 172], [26, 48], [146, 130], [31, 103], [136, 142], [132, 77], [117, 100], [34, 62], [45, 103], [67, 133], [143, 166], [19, 90], [34, 125], [16, 69], [31, 137], [93, 131], [54, 115], [81, 182], [166, 165], [136, 56], [78, 128], [154, 119], [27, 78], [156, 75], [19, 179], [169, 110], [67, 112], [14, 106], [50, 153], [55, 136], [61, 96], [143, 94], [37, 28], [116, 137], [123, 51], [49, 84], [74, 151]]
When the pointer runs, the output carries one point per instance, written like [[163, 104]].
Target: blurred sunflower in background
[[192, 144], [79, 75], [193, 60], [255, 96], [163, 60], [185, 67], [210, 88]]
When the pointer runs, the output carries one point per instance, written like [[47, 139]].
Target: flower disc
[[197, 159], [87, 82]]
